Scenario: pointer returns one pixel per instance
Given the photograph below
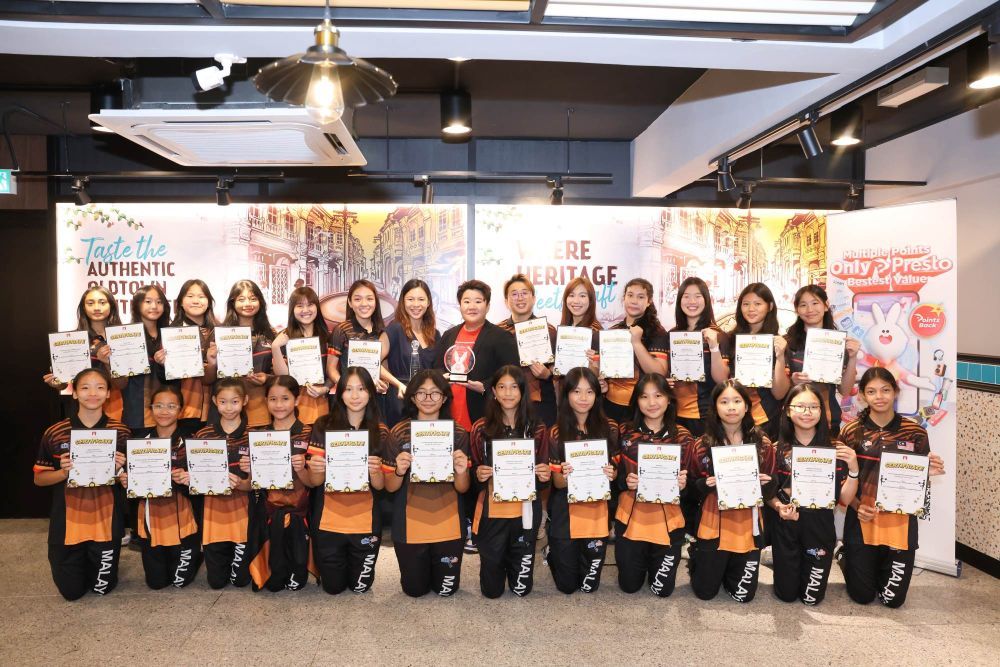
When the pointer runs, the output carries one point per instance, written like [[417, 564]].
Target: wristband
[[395, 471], [855, 475], [713, 349]]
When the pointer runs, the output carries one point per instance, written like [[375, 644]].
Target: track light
[[427, 191], [556, 198], [210, 78], [724, 176], [808, 139], [80, 193], [223, 197], [845, 126], [746, 194], [456, 116], [984, 63], [853, 198]]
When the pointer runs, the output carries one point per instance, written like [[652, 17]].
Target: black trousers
[[801, 571], [288, 558], [227, 563], [639, 562], [576, 563], [88, 566], [878, 572], [711, 569], [171, 566], [435, 566], [506, 556], [345, 560]]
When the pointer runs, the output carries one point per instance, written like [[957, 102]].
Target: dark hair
[[706, 319], [477, 285], [662, 386], [337, 419], [591, 315], [493, 414], [229, 383], [786, 429], [423, 375], [797, 332], [378, 324], [649, 321], [181, 318], [875, 373], [518, 278], [100, 370], [168, 389], [261, 325], [286, 381], [140, 295], [715, 433], [294, 329], [770, 323], [428, 323], [83, 322], [597, 422]]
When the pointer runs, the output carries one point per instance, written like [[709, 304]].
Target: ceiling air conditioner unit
[[236, 137]]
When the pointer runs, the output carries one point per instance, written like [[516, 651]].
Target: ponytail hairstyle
[[428, 323], [181, 318], [294, 329], [661, 385], [378, 325], [437, 377], [83, 322], [786, 429], [715, 432], [235, 384], [590, 316], [707, 318], [493, 414], [337, 419], [797, 332], [770, 323], [875, 373], [649, 321], [261, 325], [597, 422], [99, 370]]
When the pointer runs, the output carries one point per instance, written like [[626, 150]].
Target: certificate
[[659, 469], [366, 354], [824, 356], [347, 461], [814, 475], [513, 470], [148, 468], [587, 483], [128, 350], [533, 342], [208, 467], [69, 353], [234, 351], [93, 457], [617, 355], [737, 477], [432, 444], [183, 348], [687, 356], [572, 344], [270, 459], [305, 363], [755, 360], [902, 483]]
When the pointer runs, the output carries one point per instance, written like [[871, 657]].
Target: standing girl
[[347, 530], [727, 552], [426, 517], [803, 539], [649, 536], [413, 339], [196, 307], [304, 321], [364, 322], [151, 308], [246, 307], [879, 547], [578, 532], [85, 524], [505, 532], [579, 309]]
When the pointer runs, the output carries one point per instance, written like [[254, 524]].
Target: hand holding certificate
[[69, 352], [128, 350], [346, 461], [234, 351], [754, 355], [617, 354], [183, 352], [659, 469], [208, 467], [824, 355], [687, 357], [572, 344], [814, 473], [148, 464], [93, 456], [366, 354], [533, 342], [432, 444], [513, 470], [902, 483], [587, 483], [270, 459], [737, 477], [305, 361]]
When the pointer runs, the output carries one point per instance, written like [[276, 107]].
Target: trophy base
[[458, 377]]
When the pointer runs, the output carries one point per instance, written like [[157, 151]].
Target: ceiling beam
[[215, 8], [536, 12]]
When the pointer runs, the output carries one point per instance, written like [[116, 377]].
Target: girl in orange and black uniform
[[505, 532], [727, 553], [879, 547], [649, 536], [85, 524], [364, 322], [427, 518], [195, 306], [246, 307], [578, 532], [306, 321], [346, 529], [151, 308]]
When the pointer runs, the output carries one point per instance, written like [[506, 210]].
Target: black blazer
[[493, 348]]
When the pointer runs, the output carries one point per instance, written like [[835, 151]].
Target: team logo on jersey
[[866, 445], [450, 561]]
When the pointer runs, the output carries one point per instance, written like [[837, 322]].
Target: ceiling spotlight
[[324, 78], [808, 139], [456, 116], [845, 126], [746, 194], [724, 176], [984, 64], [79, 188], [223, 197], [427, 189], [210, 78], [556, 198], [853, 198]]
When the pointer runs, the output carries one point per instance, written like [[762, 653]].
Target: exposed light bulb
[[325, 99]]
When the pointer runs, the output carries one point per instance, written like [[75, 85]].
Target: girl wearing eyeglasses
[[426, 518]]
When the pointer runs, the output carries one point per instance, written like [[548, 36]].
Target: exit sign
[[7, 184]]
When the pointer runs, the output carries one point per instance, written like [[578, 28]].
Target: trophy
[[459, 359]]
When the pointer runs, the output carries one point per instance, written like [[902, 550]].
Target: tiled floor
[[944, 620]]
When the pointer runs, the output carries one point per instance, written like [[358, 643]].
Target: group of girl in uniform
[[277, 539]]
